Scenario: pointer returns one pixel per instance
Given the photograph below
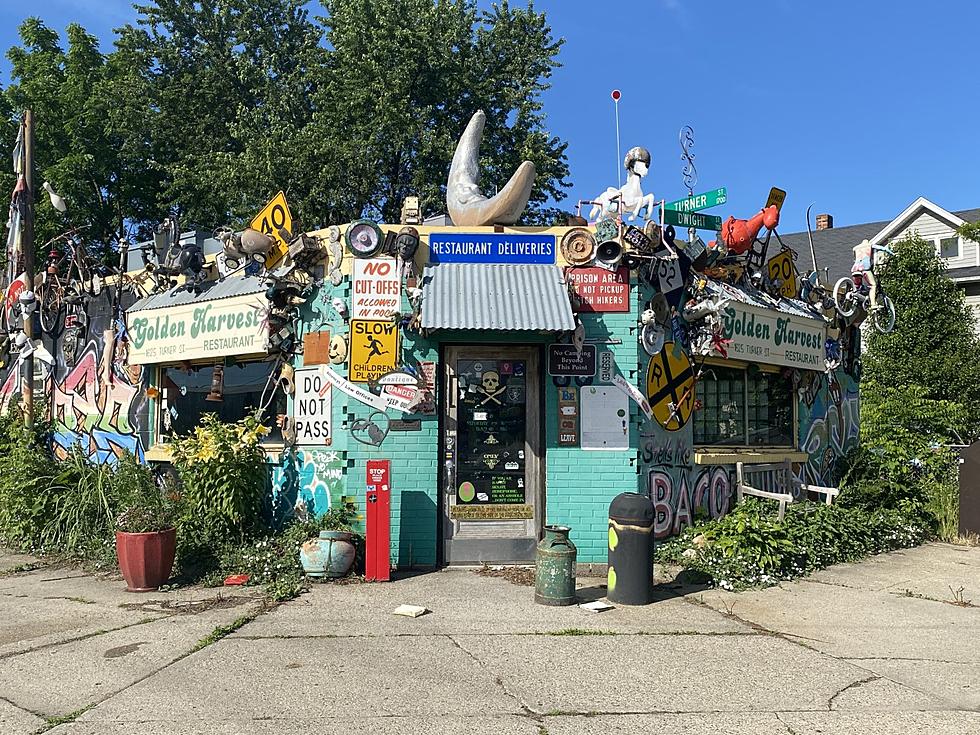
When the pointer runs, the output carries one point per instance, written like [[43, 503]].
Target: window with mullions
[[186, 394], [739, 408]]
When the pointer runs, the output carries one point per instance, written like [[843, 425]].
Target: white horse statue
[[631, 196]]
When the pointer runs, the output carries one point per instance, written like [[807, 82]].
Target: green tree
[[213, 96], [403, 79], [931, 353], [74, 150]]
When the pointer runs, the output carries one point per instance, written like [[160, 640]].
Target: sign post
[[377, 543]]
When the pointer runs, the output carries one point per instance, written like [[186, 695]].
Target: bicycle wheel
[[843, 296], [49, 308], [884, 316]]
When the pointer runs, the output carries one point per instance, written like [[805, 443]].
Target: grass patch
[[581, 631], [222, 631], [22, 568], [51, 722]]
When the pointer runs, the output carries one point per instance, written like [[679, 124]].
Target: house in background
[[834, 245]]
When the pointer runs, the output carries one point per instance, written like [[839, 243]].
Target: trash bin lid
[[632, 508]]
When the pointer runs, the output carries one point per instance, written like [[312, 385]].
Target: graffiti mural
[[681, 493], [829, 412], [96, 402], [308, 481]]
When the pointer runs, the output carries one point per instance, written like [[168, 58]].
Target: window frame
[[159, 438], [959, 246], [743, 366]]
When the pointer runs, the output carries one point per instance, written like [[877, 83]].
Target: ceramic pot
[[146, 559], [330, 555]]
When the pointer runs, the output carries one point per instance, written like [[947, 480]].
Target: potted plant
[[332, 552], [146, 536]]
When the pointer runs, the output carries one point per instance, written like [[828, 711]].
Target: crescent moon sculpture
[[467, 205]]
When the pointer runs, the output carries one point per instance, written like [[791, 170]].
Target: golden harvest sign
[[206, 329], [773, 337]]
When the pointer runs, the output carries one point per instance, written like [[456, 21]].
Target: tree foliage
[[931, 354], [208, 107]]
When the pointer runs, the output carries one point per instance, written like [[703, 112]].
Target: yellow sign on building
[[781, 268], [274, 216], [373, 349], [670, 387]]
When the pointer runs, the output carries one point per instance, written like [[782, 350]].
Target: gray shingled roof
[[834, 247]]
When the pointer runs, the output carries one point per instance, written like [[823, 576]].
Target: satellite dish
[[652, 336], [364, 238]]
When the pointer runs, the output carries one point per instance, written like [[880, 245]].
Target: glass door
[[492, 454]]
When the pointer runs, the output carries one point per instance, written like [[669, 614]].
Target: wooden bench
[[776, 481]]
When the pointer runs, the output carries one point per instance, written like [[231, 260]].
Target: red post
[[377, 553]]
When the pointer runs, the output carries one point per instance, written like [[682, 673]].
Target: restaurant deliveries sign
[[491, 247], [774, 337], [205, 329]]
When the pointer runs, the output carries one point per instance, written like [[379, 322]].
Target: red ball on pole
[[616, 94]]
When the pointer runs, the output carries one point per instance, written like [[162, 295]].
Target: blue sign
[[491, 247]]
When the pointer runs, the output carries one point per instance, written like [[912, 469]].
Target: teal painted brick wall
[[579, 483]]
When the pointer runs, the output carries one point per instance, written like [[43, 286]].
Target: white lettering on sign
[[311, 408], [776, 338], [377, 288]]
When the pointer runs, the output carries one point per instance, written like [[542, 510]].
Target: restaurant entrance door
[[491, 438]]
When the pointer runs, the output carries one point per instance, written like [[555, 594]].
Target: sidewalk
[[878, 647]]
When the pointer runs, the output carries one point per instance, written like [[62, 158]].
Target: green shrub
[[222, 473], [750, 547]]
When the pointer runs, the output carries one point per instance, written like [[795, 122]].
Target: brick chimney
[[825, 221]]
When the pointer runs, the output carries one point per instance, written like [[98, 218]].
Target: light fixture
[[217, 383]]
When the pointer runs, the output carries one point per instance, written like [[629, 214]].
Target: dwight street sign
[[692, 219], [708, 199]]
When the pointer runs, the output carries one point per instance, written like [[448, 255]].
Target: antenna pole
[[616, 95]]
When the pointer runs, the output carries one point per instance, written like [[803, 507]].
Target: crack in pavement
[[789, 638], [526, 711], [464, 634], [108, 695], [785, 724], [82, 637], [852, 685]]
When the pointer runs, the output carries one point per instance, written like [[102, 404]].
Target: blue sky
[[859, 107]]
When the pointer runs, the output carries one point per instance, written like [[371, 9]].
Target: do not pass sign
[[311, 408]]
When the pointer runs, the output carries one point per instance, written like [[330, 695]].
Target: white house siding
[[931, 228], [973, 301]]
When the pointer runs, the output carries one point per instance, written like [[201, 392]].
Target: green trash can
[[554, 574], [630, 576]]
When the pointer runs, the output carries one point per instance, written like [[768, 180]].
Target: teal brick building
[[507, 388]]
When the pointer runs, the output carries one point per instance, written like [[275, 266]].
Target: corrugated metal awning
[[210, 291], [755, 297], [495, 296]]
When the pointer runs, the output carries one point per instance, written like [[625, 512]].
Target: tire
[[843, 296], [50, 310], [884, 317]]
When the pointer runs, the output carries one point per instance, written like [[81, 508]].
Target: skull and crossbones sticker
[[490, 386]]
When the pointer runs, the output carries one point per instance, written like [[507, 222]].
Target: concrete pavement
[[887, 646]]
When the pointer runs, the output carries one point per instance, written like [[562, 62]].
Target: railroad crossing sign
[[696, 220], [708, 199], [670, 387], [274, 216]]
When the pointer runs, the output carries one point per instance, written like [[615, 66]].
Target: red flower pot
[[145, 559]]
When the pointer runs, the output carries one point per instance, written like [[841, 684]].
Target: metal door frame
[[535, 436]]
